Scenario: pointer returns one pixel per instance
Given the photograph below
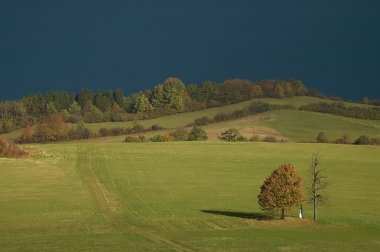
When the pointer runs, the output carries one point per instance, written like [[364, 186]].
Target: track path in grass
[[108, 205]]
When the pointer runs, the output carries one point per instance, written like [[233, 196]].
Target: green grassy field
[[298, 126], [183, 196]]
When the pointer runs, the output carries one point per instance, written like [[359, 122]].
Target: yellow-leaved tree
[[282, 190]]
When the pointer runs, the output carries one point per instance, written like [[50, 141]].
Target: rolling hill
[[104, 195], [291, 125]]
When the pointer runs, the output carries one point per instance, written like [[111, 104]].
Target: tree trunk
[[315, 192], [282, 213]]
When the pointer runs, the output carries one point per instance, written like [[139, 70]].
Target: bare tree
[[318, 184]]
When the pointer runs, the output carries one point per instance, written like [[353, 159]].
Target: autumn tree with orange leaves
[[282, 190]]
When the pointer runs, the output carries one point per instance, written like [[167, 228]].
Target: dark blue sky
[[135, 44]]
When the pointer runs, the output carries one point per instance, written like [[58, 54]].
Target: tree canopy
[[282, 190], [169, 97]]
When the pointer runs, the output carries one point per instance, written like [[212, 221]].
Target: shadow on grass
[[243, 215]]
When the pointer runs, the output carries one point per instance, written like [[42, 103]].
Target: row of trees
[[53, 128], [180, 134], [169, 97], [234, 135], [345, 139], [235, 90], [342, 110], [252, 109]]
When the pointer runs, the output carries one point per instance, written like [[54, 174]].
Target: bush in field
[[343, 140], [139, 139], [179, 134], [254, 138], [202, 121], [322, 138], [138, 128], [27, 134], [104, 132], [9, 149], [232, 135], [239, 113], [161, 138], [117, 131], [220, 117], [156, 127], [363, 140], [270, 139], [52, 128], [80, 131], [258, 107], [197, 134]]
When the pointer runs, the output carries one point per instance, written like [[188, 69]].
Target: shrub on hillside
[[161, 138], [52, 128], [116, 131], [364, 140], [342, 140], [220, 117], [322, 138], [9, 149], [239, 113], [375, 141], [202, 121], [179, 134], [258, 107], [270, 139], [138, 139], [104, 132], [27, 134], [254, 138], [156, 127], [197, 134], [232, 135], [80, 131], [138, 128]]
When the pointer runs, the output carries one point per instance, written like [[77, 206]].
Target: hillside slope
[[292, 125], [298, 126]]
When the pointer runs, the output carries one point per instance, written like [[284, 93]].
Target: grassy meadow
[[182, 196], [298, 126], [104, 195]]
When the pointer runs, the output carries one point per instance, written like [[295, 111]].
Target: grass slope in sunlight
[[184, 196]]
